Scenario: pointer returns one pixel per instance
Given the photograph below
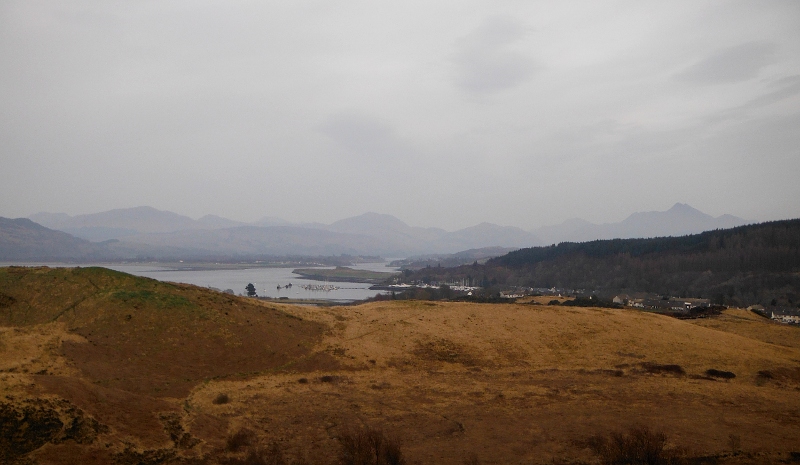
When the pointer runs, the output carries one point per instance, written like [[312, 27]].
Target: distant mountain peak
[[486, 226], [681, 208], [685, 208], [216, 222], [368, 221], [679, 220], [374, 215]]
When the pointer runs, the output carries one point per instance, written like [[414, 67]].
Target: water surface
[[266, 280]]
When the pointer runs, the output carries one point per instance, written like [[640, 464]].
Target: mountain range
[[680, 220], [21, 239], [145, 232], [156, 232]]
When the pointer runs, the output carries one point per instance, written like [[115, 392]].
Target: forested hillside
[[743, 265]]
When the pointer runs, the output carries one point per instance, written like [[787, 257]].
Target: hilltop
[[105, 367]]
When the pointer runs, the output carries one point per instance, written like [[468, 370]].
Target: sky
[[444, 113]]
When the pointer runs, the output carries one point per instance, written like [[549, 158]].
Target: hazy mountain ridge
[[679, 220], [23, 239], [487, 235], [151, 232], [255, 240], [217, 222], [379, 224], [293, 240], [125, 222], [451, 260], [148, 232]]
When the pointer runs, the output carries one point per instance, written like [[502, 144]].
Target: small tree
[[251, 290], [640, 446], [445, 291]]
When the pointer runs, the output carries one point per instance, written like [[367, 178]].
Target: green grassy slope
[[151, 337]]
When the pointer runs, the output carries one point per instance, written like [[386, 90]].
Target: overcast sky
[[443, 113]]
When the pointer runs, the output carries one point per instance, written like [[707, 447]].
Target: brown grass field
[[101, 367]]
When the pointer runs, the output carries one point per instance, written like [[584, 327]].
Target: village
[[786, 315], [681, 307]]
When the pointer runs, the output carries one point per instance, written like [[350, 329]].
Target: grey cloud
[[483, 61], [787, 88], [200, 107], [739, 63]]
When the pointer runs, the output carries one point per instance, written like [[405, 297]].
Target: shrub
[[272, 455], [766, 374], [763, 376], [26, 428], [590, 302], [472, 460], [657, 369], [250, 455], [720, 374], [239, 440], [369, 446], [760, 313], [221, 399], [639, 446], [735, 443]]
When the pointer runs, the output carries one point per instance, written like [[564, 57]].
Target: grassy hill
[[110, 368], [149, 337]]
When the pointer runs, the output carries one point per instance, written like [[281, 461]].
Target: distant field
[[162, 373]]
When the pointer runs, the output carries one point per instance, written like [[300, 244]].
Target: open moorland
[[101, 367]]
